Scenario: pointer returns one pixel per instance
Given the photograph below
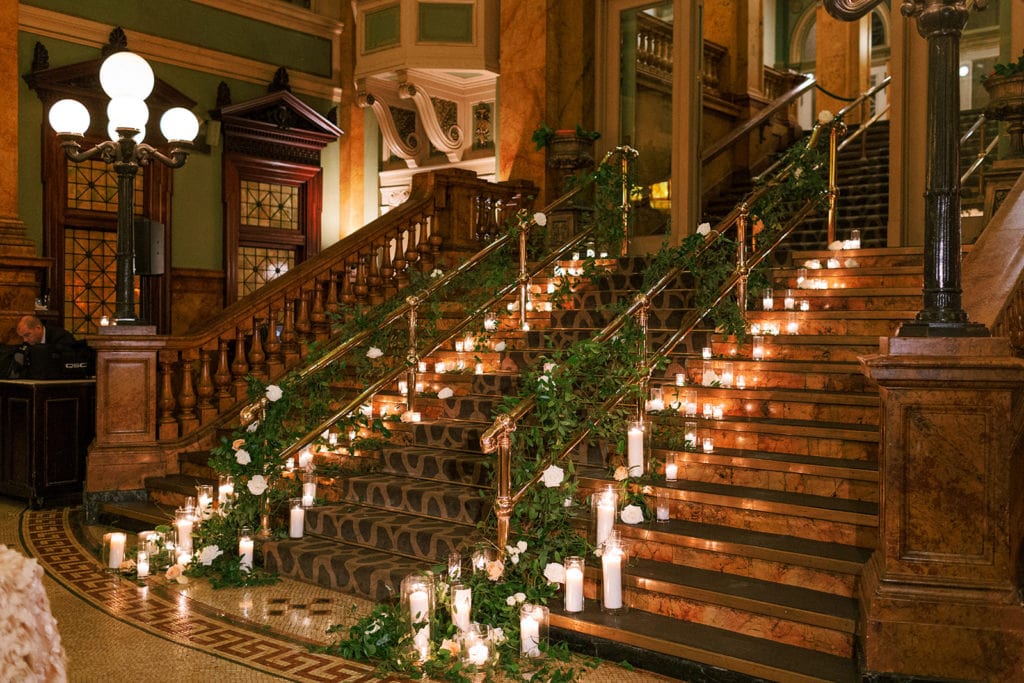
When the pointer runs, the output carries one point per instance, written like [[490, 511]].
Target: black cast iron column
[[941, 22]]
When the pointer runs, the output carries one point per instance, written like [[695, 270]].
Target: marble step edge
[[789, 463], [146, 512], [701, 643], [817, 396], [751, 499], [831, 314], [788, 427]]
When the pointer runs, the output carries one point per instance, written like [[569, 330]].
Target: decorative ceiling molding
[[95, 34], [451, 142], [409, 149]]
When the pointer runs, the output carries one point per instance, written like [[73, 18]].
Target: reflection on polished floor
[[114, 629]]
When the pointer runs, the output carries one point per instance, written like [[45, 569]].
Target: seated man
[[33, 331]]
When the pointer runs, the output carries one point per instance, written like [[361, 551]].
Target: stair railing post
[[833, 190], [741, 258], [503, 498], [412, 358], [643, 316], [524, 275], [624, 158]]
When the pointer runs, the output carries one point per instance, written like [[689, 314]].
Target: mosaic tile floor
[[114, 629]]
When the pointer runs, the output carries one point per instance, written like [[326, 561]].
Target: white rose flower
[[520, 597], [632, 514], [836, 245], [704, 229], [540, 219], [374, 352], [621, 473], [851, 263], [498, 635], [499, 347], [521, 546], [253, 426], [208, 554], [825, 117], [510, 600], [548, 367], [554, 572], [514, 558], [445, 393], [242, 457], [274, 393], [553, 476], [436, 272], [257, 484]]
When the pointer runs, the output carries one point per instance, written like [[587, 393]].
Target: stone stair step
[[788, 614], [346, 568], [852, 442], [856, 480], [197, 464], [459, 435], [715, 647], [136, 515], [410, 536], [435, 464], [889, 257], [795, 404], [829, 567], [792, 374], [851, 278], [815, 347], [852, 299], [429, 498], [174, 489], [858, 323]]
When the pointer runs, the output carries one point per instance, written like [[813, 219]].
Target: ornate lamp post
[[940, 22], [127, 80]]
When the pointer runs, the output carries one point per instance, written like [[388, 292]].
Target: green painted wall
[[205, 26], [197, 213]]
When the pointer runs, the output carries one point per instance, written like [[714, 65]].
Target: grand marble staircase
[[756, 572]]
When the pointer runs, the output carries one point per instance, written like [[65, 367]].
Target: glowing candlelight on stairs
[[680, 379], [757, 348], [612, 560], [792, 325], [296, 518], [741, 382], [440, 367], [635, 449], [142, 564], [708, 444], [705, 353], [605, 506], [308, 489], [246, 548], [574, 566], [805, 305], [115, 549], [671, 468], [462, 602], [403, 387], [478, 369], [533, 627], [690, 435], [460, 345], [728, 374], [422, 366], [662, 509], [717, 413], [788, 302], [767, 300], [183, 523]]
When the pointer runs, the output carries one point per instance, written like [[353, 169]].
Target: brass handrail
[[983, 150], [756, 120], [408, 309]]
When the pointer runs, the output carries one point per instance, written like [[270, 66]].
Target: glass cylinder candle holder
[[296, 518], [604, 507], [671, 468], [482, 555], [574, 568], [708, 410], [476, 647], [690, 435], [801, 276], [741, 382], [717, 412], [533, 629], [460, 345], [418, 607], [149, 541], [306, 455], [308, 489], [854, 242], [705, 353], [789, 302], [113, 550], [662, 509], [246, 548], [728, 374], [792, 325], [142, 564], [708, 444], [454, 565], [613, 576], [225, 490], [805, 305], [183, 525], [767, 299], [403, 387], [757, 347], [204, 501], [690, 404], [635, 437], [422, 366], [440, 367], [657, 401], [462, 604], [680, 379]]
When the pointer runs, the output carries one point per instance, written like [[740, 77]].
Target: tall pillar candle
[[116, 553], [605, 511], [574, 584], [296, 518], [635, 449], [611, 580], [246, 547], [462, 604]]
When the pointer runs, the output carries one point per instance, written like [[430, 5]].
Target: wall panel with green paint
[[208, 27]]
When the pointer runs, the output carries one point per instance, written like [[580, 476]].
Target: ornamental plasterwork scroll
[[406, 149], [447, 140]]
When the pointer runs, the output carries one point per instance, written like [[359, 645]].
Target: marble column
[[941, 595], [20, 269]]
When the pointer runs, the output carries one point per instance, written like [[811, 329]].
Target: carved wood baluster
[[318, 313], [205, 388], [412, 254], [303, 326], [167, 426], [362, 288], [275, 361], [222, 378], [239, 368], [348, 283], [374, 280], [401, 263], [187, 400], [257, 357], [427, 260], [332, 295], [288, 337]]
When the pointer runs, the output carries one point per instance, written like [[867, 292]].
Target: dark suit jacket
[[57, 336]]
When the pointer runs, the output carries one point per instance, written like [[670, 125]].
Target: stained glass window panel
[[90, 271], [92, 185], [259, 265], [270, 205]]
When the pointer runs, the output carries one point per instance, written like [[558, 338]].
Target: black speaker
[[149, 247]]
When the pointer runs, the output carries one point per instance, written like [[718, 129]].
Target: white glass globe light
[[112, 134], [127, 112], [69, 116], [179, 124], [126, 74]]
